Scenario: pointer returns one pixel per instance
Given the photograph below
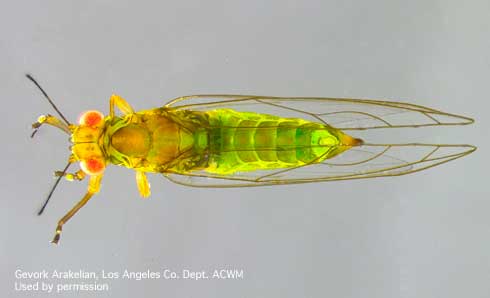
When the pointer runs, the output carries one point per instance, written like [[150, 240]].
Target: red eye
[[92, 166], [91, 118]]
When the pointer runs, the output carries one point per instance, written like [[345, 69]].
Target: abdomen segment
[[245, 141]]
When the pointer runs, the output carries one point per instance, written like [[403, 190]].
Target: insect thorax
[[152, 141]]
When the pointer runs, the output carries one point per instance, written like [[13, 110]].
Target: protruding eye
[[92, 166], [91, 118]]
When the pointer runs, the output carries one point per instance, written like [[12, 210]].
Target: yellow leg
[[51, 120], [143, 184], [93, 188], [121, 104], [78, 175]]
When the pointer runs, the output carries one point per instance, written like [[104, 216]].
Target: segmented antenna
[[47, 97], [53, 188]]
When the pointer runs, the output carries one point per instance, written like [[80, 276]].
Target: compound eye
[[91, 118], [92, 166]]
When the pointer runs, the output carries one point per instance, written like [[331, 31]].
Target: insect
[[243, 140]]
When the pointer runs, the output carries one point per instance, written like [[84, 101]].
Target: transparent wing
[[342, 113], [365, 161]]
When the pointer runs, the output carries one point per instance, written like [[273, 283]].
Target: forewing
[[366, 161], [342, 113]]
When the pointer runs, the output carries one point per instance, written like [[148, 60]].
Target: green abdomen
[[245, 141]]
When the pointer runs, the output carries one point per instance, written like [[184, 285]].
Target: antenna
[[53, 188], [47, 97]]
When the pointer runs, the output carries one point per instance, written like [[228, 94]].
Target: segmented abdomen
[[245, 141]]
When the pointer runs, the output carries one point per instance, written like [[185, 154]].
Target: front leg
[[93, 188], [78, 175], [121, 104], [51, 120]]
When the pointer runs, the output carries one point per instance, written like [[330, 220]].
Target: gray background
[[422, 235]]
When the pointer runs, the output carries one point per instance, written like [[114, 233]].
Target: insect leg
[[78, 175], [93, 188], [143, 184], [51, 120], [119, 102]]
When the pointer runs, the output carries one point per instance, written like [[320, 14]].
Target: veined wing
[[364, 161], [342, 113]]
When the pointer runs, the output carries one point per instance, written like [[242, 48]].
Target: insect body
[[236, 140]]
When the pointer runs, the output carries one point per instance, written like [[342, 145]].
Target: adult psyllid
[[227, 141]]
